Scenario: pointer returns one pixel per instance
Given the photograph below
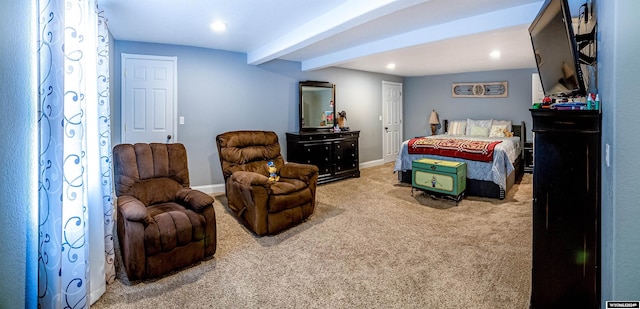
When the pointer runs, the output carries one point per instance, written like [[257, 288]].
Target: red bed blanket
[[458, 148]]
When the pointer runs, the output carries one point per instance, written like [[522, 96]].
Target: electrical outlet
[[606, 154], [181, 119]]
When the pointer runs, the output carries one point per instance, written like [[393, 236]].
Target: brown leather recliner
[[163, 225], [264, 206]]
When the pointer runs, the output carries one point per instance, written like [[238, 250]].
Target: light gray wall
[[18, 123], [219, 92], [618, 69], [426, 93]]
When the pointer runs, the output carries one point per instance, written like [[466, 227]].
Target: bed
[[490, 176]]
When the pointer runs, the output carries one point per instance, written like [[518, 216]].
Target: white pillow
[[478, 123], [457, 127], [497, 130], [479, 131], [505, 122]]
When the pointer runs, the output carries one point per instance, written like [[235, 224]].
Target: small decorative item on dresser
[[342, 117], [434, 121]]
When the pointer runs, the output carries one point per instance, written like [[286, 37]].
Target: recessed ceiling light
[[495, 54], [391, 66], [218, 26]]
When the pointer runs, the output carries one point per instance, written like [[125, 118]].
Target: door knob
[[386, 128], [169, 137]]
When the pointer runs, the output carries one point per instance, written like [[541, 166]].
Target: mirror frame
[[316, 84]]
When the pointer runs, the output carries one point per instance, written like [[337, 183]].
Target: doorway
[[149, 96], [391, 120]]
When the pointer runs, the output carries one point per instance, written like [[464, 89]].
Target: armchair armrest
[[248, 189], [298, 171], [133, 209], [250, 178], [195, 199]]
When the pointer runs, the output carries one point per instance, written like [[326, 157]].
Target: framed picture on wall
[[480, 90]]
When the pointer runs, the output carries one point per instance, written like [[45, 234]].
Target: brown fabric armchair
[[163, 225], [263, 206]]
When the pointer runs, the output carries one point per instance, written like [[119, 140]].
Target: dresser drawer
[[565, 121], [315, 137], [347, 134]]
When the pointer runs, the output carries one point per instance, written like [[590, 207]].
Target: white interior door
[[148, 99], [391, 120]]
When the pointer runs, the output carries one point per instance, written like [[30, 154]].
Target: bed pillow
[[457, 127], [479, 131], [478, 123], [498, 130], [501, 122]]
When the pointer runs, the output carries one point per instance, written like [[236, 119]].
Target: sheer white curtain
[[104, 145], [75, 253]]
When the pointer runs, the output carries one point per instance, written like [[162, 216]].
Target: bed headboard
[[521, 131]]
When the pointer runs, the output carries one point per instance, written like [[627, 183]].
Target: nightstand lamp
[[434, 121]]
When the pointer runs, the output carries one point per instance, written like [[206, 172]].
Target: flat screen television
[[556, 50]]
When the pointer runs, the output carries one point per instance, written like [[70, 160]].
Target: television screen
[[556, 51]]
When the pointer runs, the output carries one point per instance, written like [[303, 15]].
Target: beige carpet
[[369, 244]]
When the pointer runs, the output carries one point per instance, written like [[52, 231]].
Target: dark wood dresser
[[334, 153], [566, 209]]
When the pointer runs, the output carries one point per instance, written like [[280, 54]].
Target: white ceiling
[[422, 37]]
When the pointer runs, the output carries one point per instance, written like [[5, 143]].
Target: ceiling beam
[[346, 16], [514, 16]]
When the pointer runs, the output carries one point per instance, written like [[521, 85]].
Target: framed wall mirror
[[317, 106]]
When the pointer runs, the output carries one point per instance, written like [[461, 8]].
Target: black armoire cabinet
[[566, 209], [334, 153]]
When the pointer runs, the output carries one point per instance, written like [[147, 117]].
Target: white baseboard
[[210, 189], [219, 188], [372, 163]]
